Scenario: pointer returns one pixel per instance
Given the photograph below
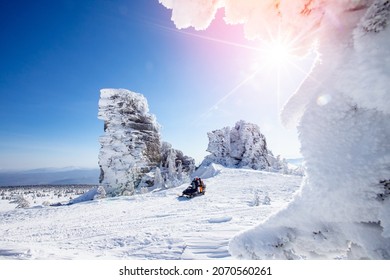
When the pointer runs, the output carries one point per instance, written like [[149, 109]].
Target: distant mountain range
[[295, 161], [50, 176], [63, 176]]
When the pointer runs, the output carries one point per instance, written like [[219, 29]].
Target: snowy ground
[[156, 225]]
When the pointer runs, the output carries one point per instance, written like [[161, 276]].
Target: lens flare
[[278, 52], [324, 99]]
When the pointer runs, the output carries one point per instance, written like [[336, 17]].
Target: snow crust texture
[[342, 113], [150, 226], [131, 147]]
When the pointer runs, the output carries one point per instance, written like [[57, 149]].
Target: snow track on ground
[[156, 225]]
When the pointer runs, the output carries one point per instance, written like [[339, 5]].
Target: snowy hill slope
[[157, 225]]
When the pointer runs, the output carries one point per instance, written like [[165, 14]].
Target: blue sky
[[56, 56]]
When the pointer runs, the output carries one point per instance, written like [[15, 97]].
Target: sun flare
[[277, 52]]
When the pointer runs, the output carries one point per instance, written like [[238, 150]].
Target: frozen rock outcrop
[[173, 169], [242, 146], [175, 165], [131, 147], [131, 144]]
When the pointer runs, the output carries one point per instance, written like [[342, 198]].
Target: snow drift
[[342, 113]]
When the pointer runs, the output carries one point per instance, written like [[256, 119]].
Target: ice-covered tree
[[176, 167], [158, 179], [100, 193], [179, 170], [342, 113], [171, 164], [20, 201]]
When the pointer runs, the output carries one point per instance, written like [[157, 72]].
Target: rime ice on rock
[[176, 165], [131, 143], [241, 146], [131, 148]]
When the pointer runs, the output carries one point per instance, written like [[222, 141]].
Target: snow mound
[[208, 171], [92, 194], [219, 220]]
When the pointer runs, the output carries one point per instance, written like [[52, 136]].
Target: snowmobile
[[194, 190]]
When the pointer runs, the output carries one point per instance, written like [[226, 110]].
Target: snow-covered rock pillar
[[130, 146]]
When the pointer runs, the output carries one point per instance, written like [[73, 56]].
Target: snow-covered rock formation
[[174, 169], [242, 146], [131, 144], [342, 112], [176, 165], [131, 148]]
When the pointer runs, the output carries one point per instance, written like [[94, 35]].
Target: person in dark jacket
[[198, 183]]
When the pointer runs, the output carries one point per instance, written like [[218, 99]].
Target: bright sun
[[277, 52]]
